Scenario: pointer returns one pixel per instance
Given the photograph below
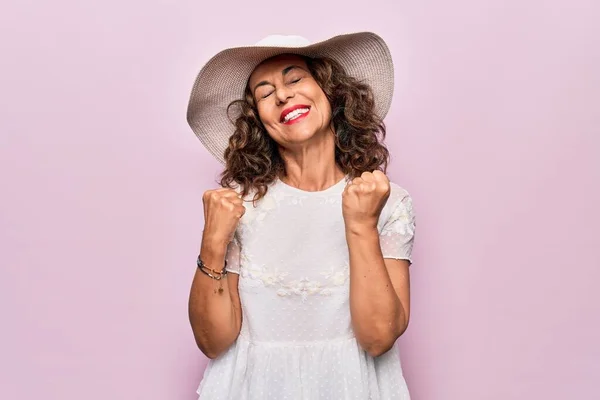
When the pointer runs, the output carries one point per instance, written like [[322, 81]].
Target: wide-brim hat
[[224, 77]]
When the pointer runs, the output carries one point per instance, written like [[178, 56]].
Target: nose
[[283, 93]]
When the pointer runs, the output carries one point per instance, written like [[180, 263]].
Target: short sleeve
[[233, 256], [398, 232]]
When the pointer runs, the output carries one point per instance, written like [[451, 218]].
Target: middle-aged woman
[[302, 285]]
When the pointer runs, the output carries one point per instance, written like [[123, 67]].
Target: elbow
[[209, 351], [380, 341], [376, 348], [208, 347], [211, 355], [212, 348], [379, 351]]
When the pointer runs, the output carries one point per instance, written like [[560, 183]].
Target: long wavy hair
[[252, 156]]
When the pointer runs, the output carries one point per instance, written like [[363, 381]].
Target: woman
[[302, 286]]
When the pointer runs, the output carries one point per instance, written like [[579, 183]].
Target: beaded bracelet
[[213, 274]]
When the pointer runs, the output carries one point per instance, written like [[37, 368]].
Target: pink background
[[494, 129]]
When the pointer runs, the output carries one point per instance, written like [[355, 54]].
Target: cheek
[[269, 121], [265, 115], [321, 101], [324, 108]]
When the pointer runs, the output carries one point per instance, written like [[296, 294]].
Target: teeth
[[295, 114]]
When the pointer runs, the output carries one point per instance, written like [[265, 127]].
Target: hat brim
[[224, 77]]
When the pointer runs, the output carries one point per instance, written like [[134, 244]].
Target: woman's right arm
[[215, 316]]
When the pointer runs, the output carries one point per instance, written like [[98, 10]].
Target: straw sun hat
[[223, 79]]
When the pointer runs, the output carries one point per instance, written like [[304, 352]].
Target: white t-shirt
[[296, 340]]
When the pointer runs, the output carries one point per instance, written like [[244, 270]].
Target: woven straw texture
[[223, 79]]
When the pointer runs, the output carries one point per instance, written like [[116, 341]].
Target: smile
[[293, 114]]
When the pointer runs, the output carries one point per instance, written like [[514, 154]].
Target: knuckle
[[214, 195]]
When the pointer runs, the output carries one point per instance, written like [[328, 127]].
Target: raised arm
[[215, 315]]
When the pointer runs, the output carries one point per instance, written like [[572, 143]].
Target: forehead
[[275, 65]]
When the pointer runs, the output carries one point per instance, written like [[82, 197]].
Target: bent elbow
[[209, 351], [211, 355], [380, 343], [378, 348]]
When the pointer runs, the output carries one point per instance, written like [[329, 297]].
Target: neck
[[312, 167]]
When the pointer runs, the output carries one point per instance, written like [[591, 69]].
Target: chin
[[302, 136]]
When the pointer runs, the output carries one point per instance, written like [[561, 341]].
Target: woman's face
[[291, 104]]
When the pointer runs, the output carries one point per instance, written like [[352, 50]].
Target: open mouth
[[294, 114]]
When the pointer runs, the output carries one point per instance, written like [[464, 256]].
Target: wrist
[[361, 229], [213, 247]]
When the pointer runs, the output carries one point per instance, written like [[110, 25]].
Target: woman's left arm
[[379, 287], [379, 292]]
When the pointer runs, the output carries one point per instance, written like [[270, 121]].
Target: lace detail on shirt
[[233, 256], [397, 235], [304, 286], [256, 214]]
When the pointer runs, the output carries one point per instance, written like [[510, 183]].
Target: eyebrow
[[285, 71]]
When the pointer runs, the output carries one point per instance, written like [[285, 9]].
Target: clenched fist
[[363, 199], [223, 209]]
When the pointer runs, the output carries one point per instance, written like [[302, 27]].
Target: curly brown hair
[[252, 157]]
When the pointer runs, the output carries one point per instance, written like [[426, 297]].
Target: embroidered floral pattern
[[258, 213], [337, 276], [303, 287]]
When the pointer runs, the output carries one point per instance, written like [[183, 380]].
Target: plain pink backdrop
[[494, 130]]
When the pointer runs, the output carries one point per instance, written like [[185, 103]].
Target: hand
[[223, 209], [363, 199]]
